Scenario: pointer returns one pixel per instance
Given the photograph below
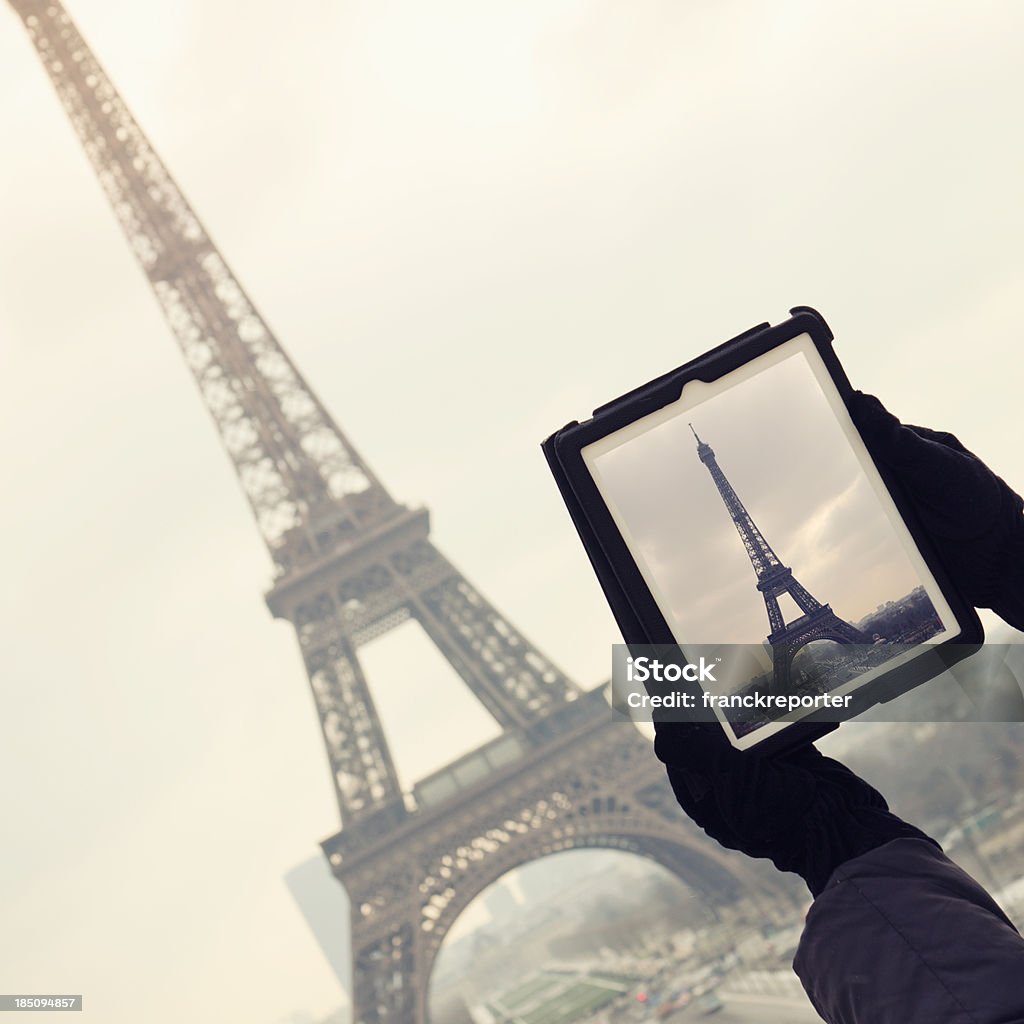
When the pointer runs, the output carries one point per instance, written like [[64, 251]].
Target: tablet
[[731, 509]]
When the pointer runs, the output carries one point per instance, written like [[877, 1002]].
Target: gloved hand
[[808, 813], [805, 812], [974, 520]]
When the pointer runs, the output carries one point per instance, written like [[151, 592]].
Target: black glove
[[804, 812], [975, 521]]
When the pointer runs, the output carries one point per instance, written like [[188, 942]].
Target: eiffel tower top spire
[[309, 489]]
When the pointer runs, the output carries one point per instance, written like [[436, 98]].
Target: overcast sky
[[780, 445], [469, 222]]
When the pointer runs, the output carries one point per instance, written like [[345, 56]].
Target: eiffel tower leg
[[506, 672], [775, 619], [386, 988], [782, 669], [804, 601], [361, 763]]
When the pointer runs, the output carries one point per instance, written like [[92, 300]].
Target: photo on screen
[[756, 517]]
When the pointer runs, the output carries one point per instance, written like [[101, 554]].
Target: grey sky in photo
[[783, 450]]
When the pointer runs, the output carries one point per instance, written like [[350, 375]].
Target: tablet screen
[[756, 517]]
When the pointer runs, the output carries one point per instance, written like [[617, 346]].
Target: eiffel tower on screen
[[818, 622]]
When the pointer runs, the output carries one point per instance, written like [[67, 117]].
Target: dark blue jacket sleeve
[[901, 935]]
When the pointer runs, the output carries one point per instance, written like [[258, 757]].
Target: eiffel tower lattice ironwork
[[351, 564], [818, 622]]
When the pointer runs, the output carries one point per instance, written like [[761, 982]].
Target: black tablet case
[[633, 607]]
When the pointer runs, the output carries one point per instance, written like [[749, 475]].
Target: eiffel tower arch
[[594, 786], [350, 564]]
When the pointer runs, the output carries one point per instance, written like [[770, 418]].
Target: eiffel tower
[[818, 621], [351, 563]]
